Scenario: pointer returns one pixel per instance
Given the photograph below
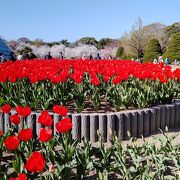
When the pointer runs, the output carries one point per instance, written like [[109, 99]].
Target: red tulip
[[1, 133], [35, 162], [20, 177], [64, 125], [45, 135], [25, 134], [45, 119], [6, 108], [15, 119], [12, 142], [61, 110], [23, 111]]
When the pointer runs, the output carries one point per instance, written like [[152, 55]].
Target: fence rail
[[137, 122]]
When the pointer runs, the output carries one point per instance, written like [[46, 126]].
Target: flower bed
[[26, 156], [40, 84], [38, 144]]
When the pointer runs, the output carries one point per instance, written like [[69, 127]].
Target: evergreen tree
[[103, 43], [87, 41], [173, 49], [153, 50], [119, 52]]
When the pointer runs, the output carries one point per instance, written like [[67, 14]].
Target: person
[[166, 61], [84, 57], [12, 56], [20, 56], [155, 61], [110, 57], [90, 57], [1, 57], [98, 56], [160, 60], [61, 55], [141, 60], [48, 56]]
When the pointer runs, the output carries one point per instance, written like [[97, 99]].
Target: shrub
[[153, 50], [173, 50], [119, 52]]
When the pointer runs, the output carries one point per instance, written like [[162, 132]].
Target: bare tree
[[136, 40]]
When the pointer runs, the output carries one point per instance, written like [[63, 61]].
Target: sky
[[54, 20]]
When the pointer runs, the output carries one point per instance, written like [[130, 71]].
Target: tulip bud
[[129, 134], [98, 132], [110, 131], [51, 168], [166, 129]]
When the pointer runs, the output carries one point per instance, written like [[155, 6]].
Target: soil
[[151, 139]]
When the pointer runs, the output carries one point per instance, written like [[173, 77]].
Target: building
[[5, 49]]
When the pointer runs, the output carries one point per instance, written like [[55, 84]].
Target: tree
[[103, 43], [153, 31], [27, 52], [65, 42], [173, 49], [87, 41], [153, 50], [168, 32], [136, 40], [119, 52], [23, 40], [38, 42], [51, 44]]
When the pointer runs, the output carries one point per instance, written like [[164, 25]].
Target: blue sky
[[53, 20]]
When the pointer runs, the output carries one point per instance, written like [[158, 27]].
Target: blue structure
[[5, 49]]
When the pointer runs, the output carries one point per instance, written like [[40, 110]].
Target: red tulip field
[[62, 86], [40, 84]]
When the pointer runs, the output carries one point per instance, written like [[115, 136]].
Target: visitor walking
[[12, 56], [90, 57], [155, 61], [160, 59], [110, 57], [98, 56], [61, 55], [84, 57], [20, 56], [48, 56], [1, 57], [166, 61]]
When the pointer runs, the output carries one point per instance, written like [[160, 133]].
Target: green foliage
[[88, 41], [104, 42], [25, 50], [167, 34], [173, 50], [171, 30], [153, 50], [130, 93], [124, 56], [51, 44], [31, 55], [38, 42], [27, 53], [65, 42], [119, 52], [158, 159]]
